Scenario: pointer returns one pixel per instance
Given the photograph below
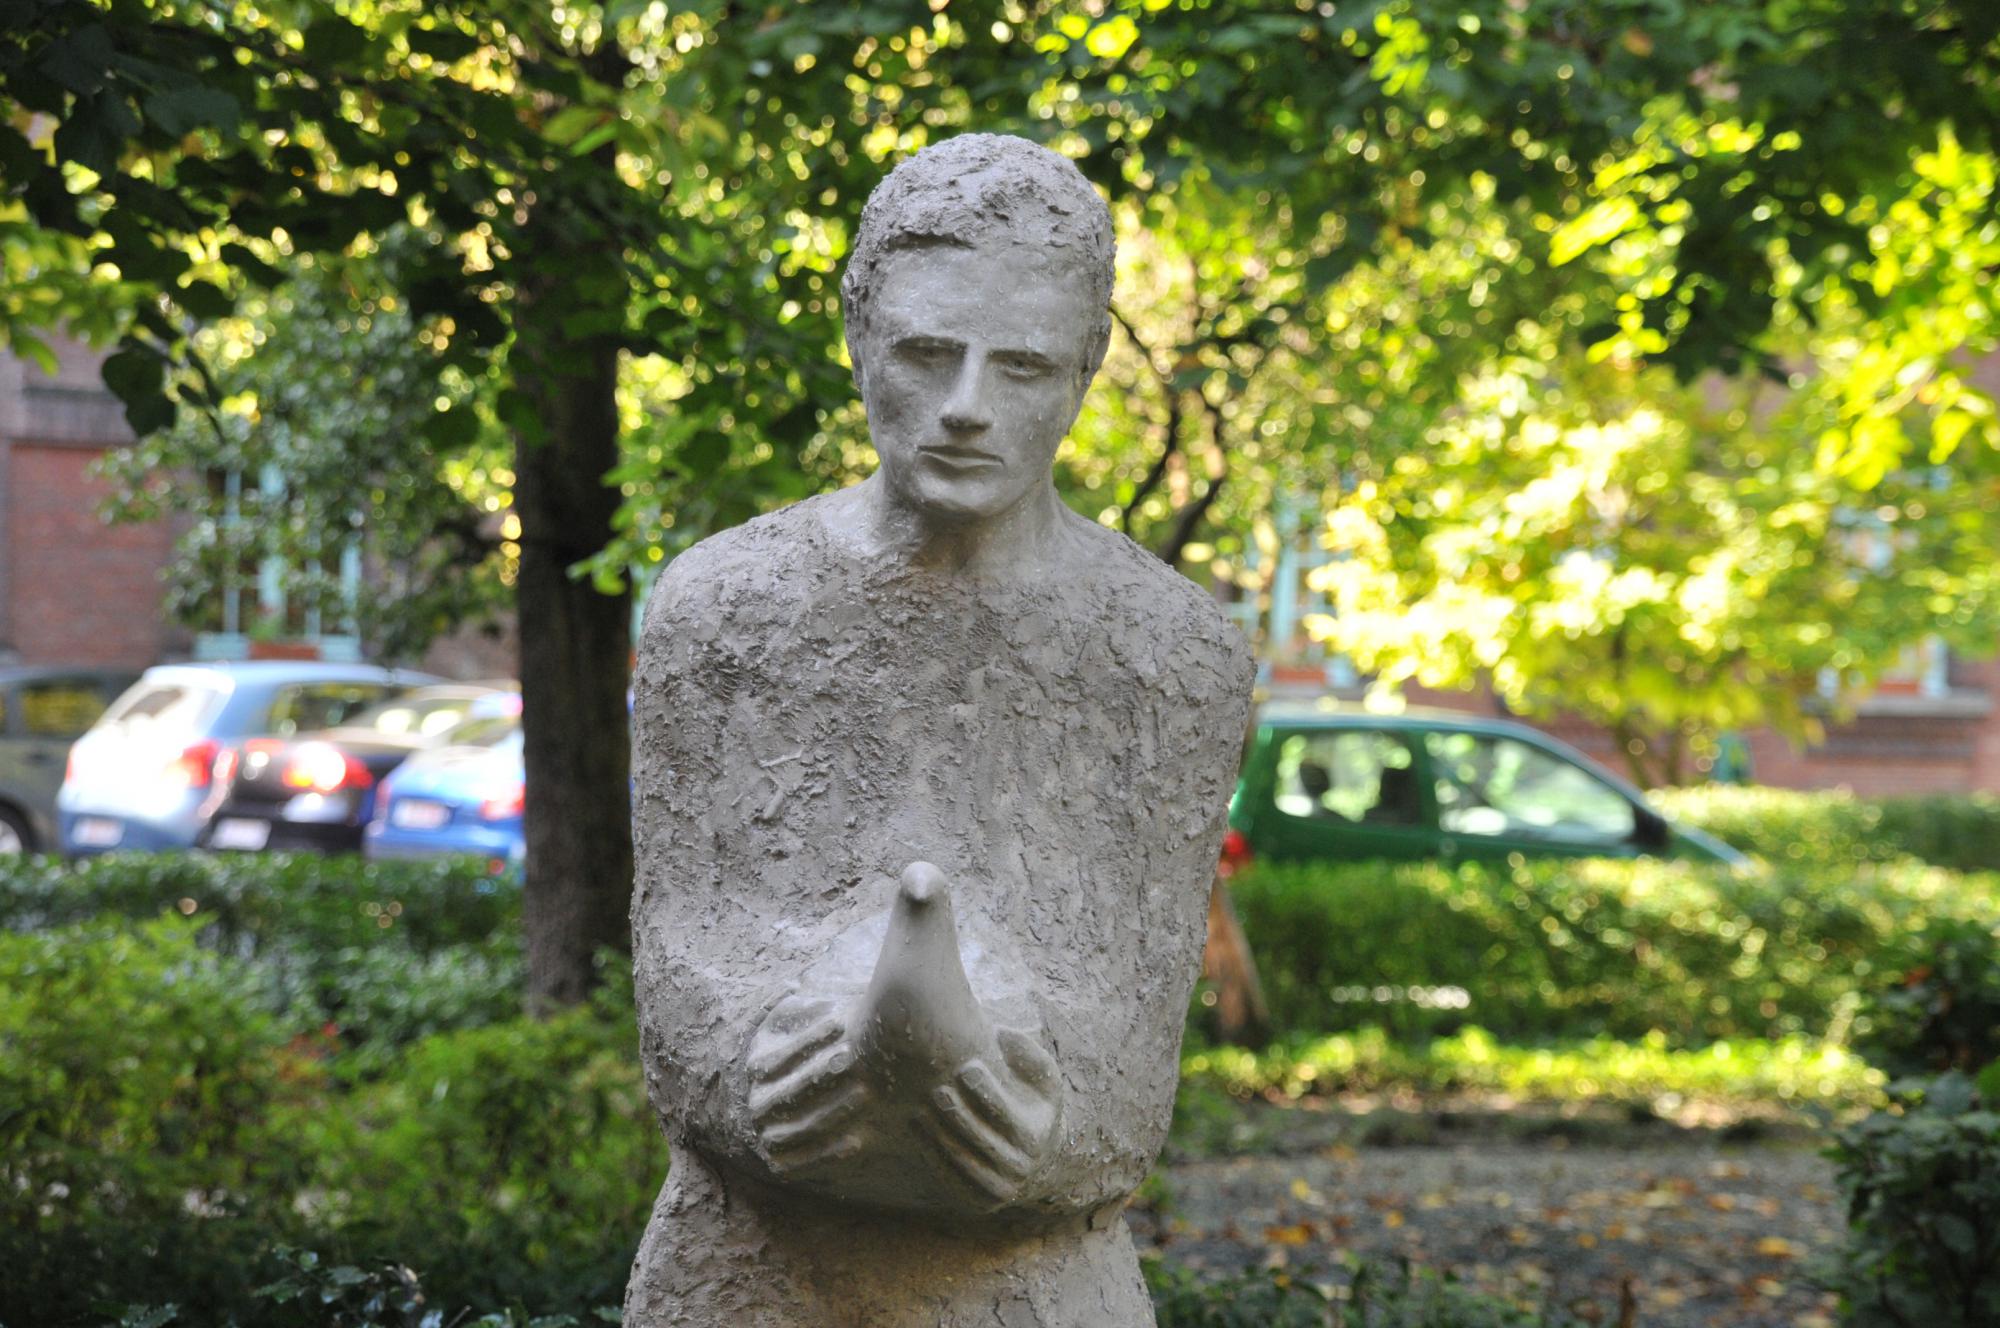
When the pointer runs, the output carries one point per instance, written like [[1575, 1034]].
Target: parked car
[[143, 777], [315, 791], [463, 798], [1324, 781], [43, 709]]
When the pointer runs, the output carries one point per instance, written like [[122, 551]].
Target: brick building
[[73, 590]]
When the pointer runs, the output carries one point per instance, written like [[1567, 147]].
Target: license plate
[[418, 814], [240, 832], [97, 831]]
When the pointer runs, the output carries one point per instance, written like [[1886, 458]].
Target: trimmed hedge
[[1577, 949], [1959, 831]]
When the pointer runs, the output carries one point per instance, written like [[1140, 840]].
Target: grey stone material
[[930, 775]]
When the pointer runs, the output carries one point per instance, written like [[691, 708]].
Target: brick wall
[[79, 591]]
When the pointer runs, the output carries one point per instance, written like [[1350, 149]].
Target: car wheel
[[15, 836]]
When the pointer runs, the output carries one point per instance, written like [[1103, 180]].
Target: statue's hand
[[805, 1090], [993, 1120]]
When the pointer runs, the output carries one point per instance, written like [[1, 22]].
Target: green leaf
[[133, 374], [204, 300], [191, 106]]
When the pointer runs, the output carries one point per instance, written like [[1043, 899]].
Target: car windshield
[[177, 706], [415, 715], [499, 732]]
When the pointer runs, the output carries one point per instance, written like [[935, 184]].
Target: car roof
[[1337, 714], [288, 670]]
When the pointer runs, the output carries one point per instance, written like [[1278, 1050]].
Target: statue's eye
[[928, 352], [1024, 367]]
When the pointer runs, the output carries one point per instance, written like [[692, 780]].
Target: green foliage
[[1792, 1071], [1922, 1182], [516, 1162], [137, 1143], [1577, 948], [386, 1295], [1834, 828], [255, 904], [1943, 1013]]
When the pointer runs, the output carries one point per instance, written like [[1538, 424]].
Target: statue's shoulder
[[749, 561], [1147, 600]]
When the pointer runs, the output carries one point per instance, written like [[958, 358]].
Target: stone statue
[[931, 775]]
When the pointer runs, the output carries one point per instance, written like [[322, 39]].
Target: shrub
[[137, 1087], [1579, 948], [1789, 1070], [1944, 1011], [252, 903], [512, 1163], [1961, 832], [1923, 1187]]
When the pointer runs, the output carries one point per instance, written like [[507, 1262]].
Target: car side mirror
[[1650, 830]]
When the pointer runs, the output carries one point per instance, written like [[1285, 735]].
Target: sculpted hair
[[974, 190]]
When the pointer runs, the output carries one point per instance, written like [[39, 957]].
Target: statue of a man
[[931, 775]]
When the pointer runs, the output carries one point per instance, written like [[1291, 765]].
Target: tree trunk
[[576, 648]]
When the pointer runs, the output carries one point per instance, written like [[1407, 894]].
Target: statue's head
[[978, 300]]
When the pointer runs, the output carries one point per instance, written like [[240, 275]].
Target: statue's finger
[[1026, 1058], [816, 1123], [976, 1170], [772, 1057], [974, 1135], [808, 1153], [984, 1095], [817, 1076]]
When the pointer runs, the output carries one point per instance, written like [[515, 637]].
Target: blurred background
[[1585, 407]]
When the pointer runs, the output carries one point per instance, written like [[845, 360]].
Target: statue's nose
[[966, 410]]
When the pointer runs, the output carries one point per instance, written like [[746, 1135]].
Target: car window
[[414, 715], [303, 707], [179, 706], [1365, 777], [58, 707], [1489, 785], [496, 731]]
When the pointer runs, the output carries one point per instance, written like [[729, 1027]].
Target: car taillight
[[1235, 854], [195, 765], [505, 807], [319, 767]]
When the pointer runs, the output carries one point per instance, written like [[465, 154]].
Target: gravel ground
[[1655, 1233]]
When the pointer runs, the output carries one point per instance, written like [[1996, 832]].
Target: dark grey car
[[43, 709]]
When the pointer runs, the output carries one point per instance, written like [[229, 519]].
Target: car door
[[1498, 795], [1342, 794]]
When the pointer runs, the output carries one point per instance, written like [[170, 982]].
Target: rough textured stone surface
[[930, 781]]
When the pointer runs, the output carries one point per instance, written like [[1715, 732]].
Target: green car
[[1322, 781]]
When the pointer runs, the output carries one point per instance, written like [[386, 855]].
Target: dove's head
[[978, 304]]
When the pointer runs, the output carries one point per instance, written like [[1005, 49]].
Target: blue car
[[463, 798], [143, 776]]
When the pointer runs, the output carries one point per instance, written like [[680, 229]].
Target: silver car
[[143, 777]]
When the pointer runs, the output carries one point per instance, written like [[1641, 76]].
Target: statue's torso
[[811, 721]]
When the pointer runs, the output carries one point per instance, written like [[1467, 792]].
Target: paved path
[[1704, 1235]]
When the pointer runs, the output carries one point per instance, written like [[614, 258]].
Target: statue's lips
[[959, 458]]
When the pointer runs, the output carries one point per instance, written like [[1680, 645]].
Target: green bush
[[1943, 1013], [512, 1163], [1794, 1071], [138, 1144], [1961, 832], [1922, 1182], [252, 903], [1581, 948]]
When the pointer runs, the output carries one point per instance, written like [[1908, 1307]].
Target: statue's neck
[[1018, 542]]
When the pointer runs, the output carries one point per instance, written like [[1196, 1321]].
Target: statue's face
[[973, 366]]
